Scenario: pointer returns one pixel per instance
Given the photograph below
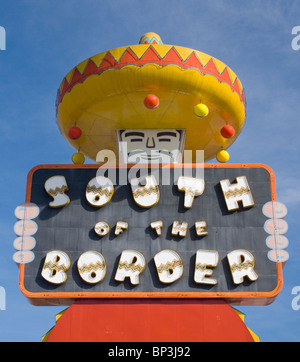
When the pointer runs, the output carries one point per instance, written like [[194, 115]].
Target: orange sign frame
[[234, 298]]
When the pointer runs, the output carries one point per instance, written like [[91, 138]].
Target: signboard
[[190, 238]]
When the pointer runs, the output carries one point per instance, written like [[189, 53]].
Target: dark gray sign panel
[[177, 245]]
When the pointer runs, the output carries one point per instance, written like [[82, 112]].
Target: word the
[[91, 266], [296, 40], [2, 299], [2, 38], [296, 300]]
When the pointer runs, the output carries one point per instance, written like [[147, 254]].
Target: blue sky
[[45, 39]]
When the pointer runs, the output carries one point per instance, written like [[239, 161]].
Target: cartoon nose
[[150, 143]]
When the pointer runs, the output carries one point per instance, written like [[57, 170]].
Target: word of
[[2, 38], [2, 299], [276, 227], [91, 266], [296, 40], [102, 228], [100, 189], [296, 300]]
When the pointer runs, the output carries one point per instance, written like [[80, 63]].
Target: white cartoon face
[[151, 145]]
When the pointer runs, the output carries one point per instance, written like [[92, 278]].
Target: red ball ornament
[[227, 131], [151, 101], [74, 133]]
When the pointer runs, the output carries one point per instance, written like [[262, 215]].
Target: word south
[[100, 190]]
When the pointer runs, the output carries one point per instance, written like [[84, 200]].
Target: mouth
[[152, 155]]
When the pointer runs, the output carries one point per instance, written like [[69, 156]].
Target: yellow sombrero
[[106, 92]]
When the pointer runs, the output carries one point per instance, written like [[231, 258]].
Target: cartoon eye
[[164, 140], [136, 140]]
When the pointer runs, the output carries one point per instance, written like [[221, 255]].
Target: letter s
[[295, 31]]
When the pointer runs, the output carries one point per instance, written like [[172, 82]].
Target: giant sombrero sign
[[194, 91], [192, 238]]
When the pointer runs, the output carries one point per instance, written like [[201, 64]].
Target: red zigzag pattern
[[150, 56]]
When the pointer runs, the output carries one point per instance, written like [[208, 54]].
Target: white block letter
[[56, 187], [241, 263], [55, 265], [192, 187], [157, 225], [168, 265], [145, 196], [205, 258], [200, 226], [99, 191], [131, 265], [120, 227], [91, 267], [101, 228], [179, 229], [239, 191]]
